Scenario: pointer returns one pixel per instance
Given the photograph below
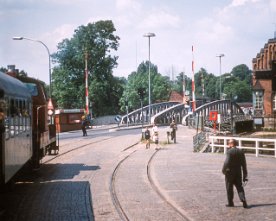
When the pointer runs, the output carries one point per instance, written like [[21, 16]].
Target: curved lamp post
[[49, 57], [149, 35], [50, 104]]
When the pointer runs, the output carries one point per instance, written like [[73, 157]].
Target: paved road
[[76, 186], [195, 182]]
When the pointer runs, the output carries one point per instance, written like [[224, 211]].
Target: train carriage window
[[12, 117], [32, 88], [7, 121], [3, 114], [23, 116], [20, 116], [17, 117], [28, 116]]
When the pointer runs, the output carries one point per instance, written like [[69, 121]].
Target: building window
[[258, 100], [274, 100]]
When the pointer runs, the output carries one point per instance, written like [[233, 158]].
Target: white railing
[[256, 144]]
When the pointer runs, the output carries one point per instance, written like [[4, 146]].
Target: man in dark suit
[[235, 171]]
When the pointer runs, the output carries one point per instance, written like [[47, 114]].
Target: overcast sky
[[236, 28]]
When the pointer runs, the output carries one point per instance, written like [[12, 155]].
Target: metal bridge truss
[[139, 116], [229, 112], [176, 113], [164, 113]]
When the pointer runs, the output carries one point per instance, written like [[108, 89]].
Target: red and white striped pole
[[86, 85], [193, 82]]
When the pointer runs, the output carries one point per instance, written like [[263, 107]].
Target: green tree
[[98, 41], [243, 73], [178, 85], [211, 86], [238, 90], [238, 83], [160, 87]]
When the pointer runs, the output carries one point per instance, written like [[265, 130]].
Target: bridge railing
[[138, 116], [258, 145]]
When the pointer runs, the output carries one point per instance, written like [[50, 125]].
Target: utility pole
[[86, 84]]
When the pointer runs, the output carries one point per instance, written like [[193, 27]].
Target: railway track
[[75, 149], [118, 205], [112, 188], [161, 194]]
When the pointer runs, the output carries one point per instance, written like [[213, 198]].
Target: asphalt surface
[[77, 186]]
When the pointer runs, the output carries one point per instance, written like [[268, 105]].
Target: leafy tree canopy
[[96, 41], [160, 87]]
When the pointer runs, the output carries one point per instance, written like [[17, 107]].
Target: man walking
[[83, 125], [234, 168]]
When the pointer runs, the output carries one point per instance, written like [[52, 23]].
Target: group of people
[[155, 136]]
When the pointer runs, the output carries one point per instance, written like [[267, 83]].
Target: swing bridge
[[164, 113]]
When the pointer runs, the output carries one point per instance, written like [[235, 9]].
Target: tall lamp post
[[50, 104], [220, 56], [149, 35]]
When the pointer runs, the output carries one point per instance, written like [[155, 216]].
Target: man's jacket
[[235, 162]]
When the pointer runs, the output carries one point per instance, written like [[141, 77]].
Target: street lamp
[[50, 104], [149, 35], [220, 56], [50, 78]]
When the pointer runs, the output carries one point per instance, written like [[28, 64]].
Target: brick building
[[264, 84]]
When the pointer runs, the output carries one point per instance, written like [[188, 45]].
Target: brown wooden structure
[[68, 119]]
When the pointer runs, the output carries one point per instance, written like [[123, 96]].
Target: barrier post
[[257, 148], [212, 145]]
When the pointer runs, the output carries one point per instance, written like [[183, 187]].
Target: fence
[[198, 141], [257, 145]]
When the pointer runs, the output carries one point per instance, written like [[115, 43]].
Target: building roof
[[257, 86], [175, 96]]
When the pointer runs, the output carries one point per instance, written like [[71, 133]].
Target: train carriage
[[44, 131], [25, 132], [16, 127]]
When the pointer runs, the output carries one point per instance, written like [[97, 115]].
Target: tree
[[238, 83], [160, 87], [238, 90], [178, 84], [98, 41], [212, 87], [243, 73]]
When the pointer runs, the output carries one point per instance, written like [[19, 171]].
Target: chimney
[[12, 71]]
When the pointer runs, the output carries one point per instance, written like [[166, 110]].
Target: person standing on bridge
[[173, 127], [155, 137], [234, 168]]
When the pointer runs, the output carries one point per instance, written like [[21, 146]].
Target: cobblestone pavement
[[195, 182], [76, 186]]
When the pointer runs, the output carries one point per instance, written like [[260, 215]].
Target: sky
[[236, 28]]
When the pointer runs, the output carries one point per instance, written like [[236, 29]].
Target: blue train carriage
[[15, 127], [44, 129]]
